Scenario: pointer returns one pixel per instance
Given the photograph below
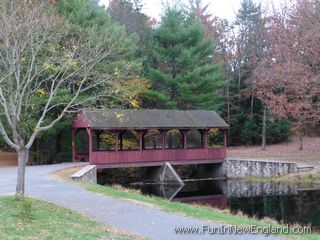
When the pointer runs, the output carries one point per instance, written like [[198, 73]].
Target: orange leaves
[[288, 79]]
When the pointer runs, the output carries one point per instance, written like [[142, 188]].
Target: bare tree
[[43, 73]]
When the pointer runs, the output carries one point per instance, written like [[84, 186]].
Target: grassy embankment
[[33, 219], [307, 178], [191, 210]]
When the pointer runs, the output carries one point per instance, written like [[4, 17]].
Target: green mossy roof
[[153, 118]]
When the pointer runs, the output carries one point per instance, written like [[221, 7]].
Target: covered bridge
[[111, 138]]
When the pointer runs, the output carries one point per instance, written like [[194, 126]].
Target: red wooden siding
[[167, 155]]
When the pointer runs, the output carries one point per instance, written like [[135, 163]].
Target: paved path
[[125, 215]]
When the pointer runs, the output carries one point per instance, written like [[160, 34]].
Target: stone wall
[[240, 168], [88, 174]]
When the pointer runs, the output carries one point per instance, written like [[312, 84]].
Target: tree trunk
[[251, 105], [23, 155], [300, 138], [239, 83], [228, 103], [264, 126]]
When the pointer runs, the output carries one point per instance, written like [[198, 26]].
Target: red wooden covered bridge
[[112, 138]]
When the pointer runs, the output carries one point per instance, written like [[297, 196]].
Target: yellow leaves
[[127, 84], [46, 65], [116, 71], [41, 91], [213, 132], [135, 103], [174, 132], [153, 132], [129, 144], [51, 67], [131, 140], [66, 61], [74, 63], [131, 90], [51, 48], [23, 60], [107, 138], [117, 88], [136, 86]]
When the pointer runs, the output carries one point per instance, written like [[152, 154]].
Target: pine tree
[[245, 112], [128, 13], [181, 71]]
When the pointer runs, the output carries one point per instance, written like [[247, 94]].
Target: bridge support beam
[[165, 175]]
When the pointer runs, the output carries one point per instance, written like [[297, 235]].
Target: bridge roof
[[152, 118]]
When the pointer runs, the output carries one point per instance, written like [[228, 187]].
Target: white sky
[[221, 8]]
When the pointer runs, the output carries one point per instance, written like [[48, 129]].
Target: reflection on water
[[286, 203], [302, 208], [165, 191]]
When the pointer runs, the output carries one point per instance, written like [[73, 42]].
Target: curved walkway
[[128, 216]]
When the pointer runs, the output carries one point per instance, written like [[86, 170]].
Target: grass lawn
[[287, 151], [32, 219], [310, 179], [195, 211]]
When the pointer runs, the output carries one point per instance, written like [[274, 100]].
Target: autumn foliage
[[287, 80]]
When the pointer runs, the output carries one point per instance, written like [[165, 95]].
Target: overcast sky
[[221, 8]]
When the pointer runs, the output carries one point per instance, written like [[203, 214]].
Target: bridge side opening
[[152, 139], [129, 140], [80, 145], [194, 139], [103, 140], [174, 139], [216, 138]]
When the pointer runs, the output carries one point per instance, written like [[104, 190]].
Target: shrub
[[278, 131]]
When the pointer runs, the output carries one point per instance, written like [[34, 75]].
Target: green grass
[[33, 220], [308, 178], [195, 211]]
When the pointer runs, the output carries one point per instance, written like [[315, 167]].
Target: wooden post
[[184, 133], [163, 133], [97, 135], [225, 138], [90, 142], [121, 143], [116, 140], [205, 138], [143, 134], [73, 144], [140, 140]]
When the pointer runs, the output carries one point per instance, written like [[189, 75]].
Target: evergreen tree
[[181, 69], [128, 13], [246, 110]]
